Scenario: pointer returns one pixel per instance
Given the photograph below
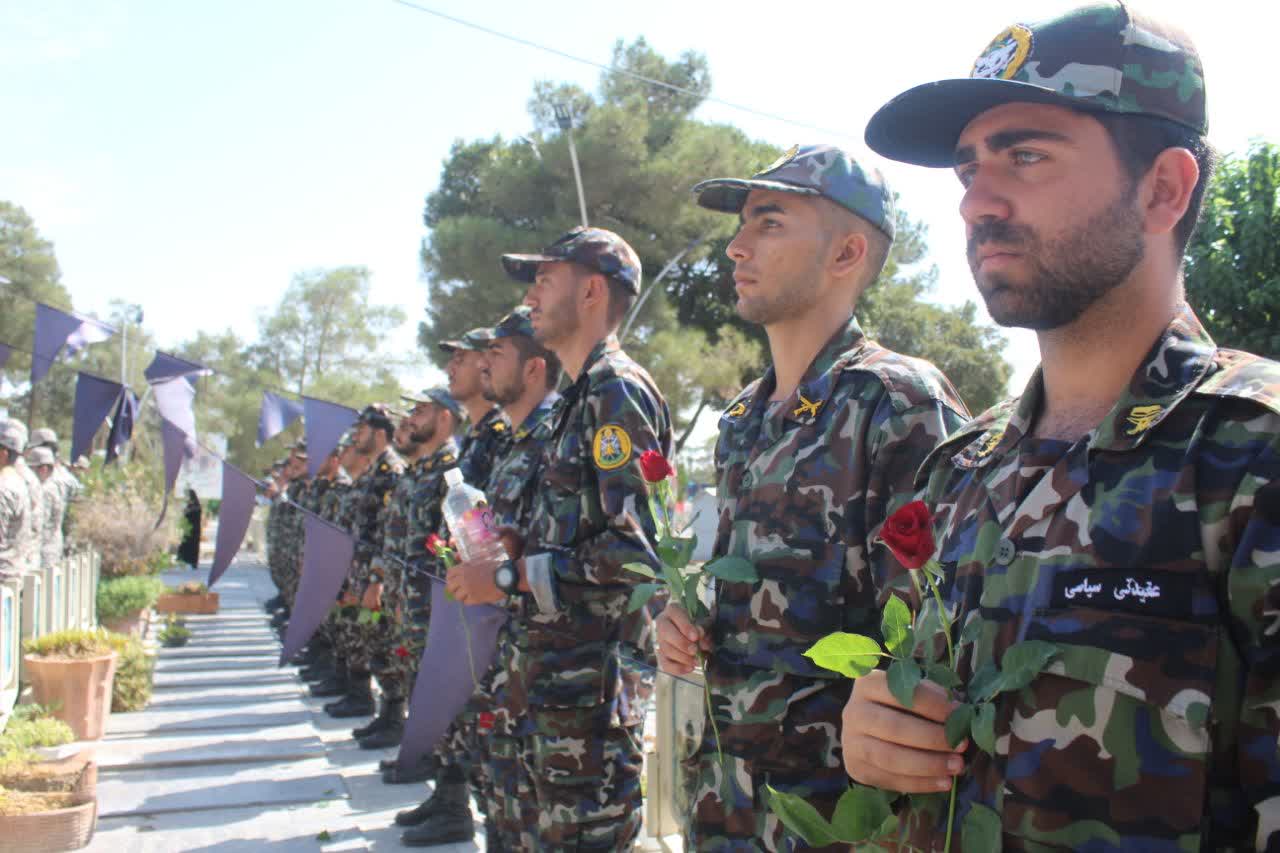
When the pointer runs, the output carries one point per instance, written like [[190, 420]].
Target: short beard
[[793, 299], [423, 434], [1069, 273], [558, 323]]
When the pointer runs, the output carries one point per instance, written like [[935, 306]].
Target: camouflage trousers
[[586, 779], [510, 795], [407, 636], [731, 811]]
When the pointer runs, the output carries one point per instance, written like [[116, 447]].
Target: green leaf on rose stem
[[927, 627], [986, 682], [734, 569], [934, 568], [983, 728], [692, 600], [1023, 661], [889, 827], [895, 624], [969, 633], [941, 675], [904, 675], [675, 580], [641, 594], [860, 814], [981, 830], [676, 551], [640, 569], [801, 818], [957, 725], [851, 655]]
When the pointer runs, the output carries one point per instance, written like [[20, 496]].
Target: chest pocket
[[562, 488], [1115, 732]]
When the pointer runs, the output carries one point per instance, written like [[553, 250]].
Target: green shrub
[[27, 734], [135, 672], [72, 643], [175, 632], [188, 588], [120, 598]]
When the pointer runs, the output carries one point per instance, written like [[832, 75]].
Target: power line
[[611, 69]]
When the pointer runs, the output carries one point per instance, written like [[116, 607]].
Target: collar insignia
[[1142, 418], [807, 407], [738, 410], [989, 444]]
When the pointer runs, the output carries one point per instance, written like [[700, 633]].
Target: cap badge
[[787, 157], [611, 447], [1003, 58]]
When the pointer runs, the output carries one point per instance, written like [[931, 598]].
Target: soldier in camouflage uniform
[[591, 516], [811, 459], [291, 533], [271, 491], [14, 507], [521, 376], [43, 464], [29, 546], [319, 654], [489, 435], [371, 492], [66, 482], [1126, 507]]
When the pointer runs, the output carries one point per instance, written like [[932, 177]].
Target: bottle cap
[[453, 477]]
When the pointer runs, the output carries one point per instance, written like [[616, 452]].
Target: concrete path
[[233, 756]]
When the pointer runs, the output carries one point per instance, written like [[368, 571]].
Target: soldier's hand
[[372, 599], [512, 542], [899, 749], [472, 582], [679, 641]]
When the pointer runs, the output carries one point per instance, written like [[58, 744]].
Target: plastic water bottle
[[470, 520]]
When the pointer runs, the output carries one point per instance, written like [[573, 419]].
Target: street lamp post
[[131, 313], [565, 120]]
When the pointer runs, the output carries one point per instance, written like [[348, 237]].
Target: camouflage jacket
[[803, 488], [590, 517], [51, 528], [331, 499], [1149, 553], [14, 507], [420, 513], [291, 523], [484, 444], [30, 546], [372, 494]]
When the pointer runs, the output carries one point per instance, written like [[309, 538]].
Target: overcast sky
[[192, 156]]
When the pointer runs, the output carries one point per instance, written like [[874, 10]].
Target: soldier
[[14, 505], [292, 526], [65, 480], [42, 462], [1126, 507], [811, 459], [30, 543], [591, 517], [490, 433], [370, 493], [277, 518], [520, 375]]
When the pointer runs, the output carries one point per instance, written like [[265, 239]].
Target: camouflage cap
[[12, 436], [816, 170], [594, 248], [1104, 57], [476, 340], [39, 455], [377, 415], [515, 324], [440, 396], [44, 437]]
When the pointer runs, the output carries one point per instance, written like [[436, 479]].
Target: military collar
[[384, 461], [1172, 368], [444, 456], [540, 415], [606, 347]]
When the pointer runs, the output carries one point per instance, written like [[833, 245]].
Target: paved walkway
[[233, 756]]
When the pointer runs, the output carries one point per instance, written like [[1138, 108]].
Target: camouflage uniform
[[275, 550], [330, 510], [485, 443], [51, 528], [14, 506], [371, 493], [310, 499], [345, 630], [291, 539], [30, 546], [508, 767]]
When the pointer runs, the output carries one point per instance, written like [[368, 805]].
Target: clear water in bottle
[[470, 520]]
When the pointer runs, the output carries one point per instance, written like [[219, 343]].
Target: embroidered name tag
[[1154, 593]]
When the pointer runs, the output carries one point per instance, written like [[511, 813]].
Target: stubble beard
[[795, 296]]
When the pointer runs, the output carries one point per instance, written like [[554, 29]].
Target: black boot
[[446, 823], [359, 699], [419, 813], [394, 774], [380, 722], [391, 733], [336, 685], [318, 671], [272, 603]]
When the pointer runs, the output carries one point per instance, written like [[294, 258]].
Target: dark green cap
[[476, 340], [440, 396], [1104, 57], [515, 324], [596, 249]]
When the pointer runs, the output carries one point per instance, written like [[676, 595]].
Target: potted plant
[[73, 671], [124, 604], [175, 633], [190, 597], [135, 672], [39, 752]]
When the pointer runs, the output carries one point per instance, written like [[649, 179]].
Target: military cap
[[1103, 57], [515, 324], [348, 438], [20, 429], [594, 248], [476, 340], [815, 170], [440, 396], [38, 455], [377, 415], [12, 437], [44, 437]]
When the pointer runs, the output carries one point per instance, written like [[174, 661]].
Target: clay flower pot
[[198, 603], [68, 828], [79, 688], [134, 625]]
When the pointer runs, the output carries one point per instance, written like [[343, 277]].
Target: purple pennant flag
[[178, 447], [445, 680], [165, 366], [95, 398], [325, 422], [175, 401], [326, 559], [53, 327], [276, 415], [234, 513], [5, 352], [126, 415]]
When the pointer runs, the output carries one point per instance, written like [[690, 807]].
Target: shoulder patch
[[611, 447], [1244, 376]]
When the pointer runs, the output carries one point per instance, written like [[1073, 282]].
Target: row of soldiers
[[36, 491], [1124, 509]]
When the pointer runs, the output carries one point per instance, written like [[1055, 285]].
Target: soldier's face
[[553, 299], [778, 253], [1052, 219], [422, 422], [44, 472], [464, 374], [503, 382], [330, 466], [364, 439], [403, 438]]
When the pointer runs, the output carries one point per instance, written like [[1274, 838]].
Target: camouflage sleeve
[[899, 439], [1253, 591], [621, 422], [12, 519]]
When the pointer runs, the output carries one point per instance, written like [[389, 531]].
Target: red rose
[[434, 544], [485, 721], [402, 652], [655, 466], [909, 535]]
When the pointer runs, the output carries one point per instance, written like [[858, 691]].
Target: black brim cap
[[525, 267], [729, 195], [597, 249]]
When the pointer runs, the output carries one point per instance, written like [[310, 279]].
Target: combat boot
[[335, 685], [394, 774], [359, 699], [391, 731], [378, 723], [446, 823], [273, 602]]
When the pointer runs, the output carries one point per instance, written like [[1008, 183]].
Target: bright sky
[[191, 157]]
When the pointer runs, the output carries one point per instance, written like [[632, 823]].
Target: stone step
[[199, 718], [150, 751]]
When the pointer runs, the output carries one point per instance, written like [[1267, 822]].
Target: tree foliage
[[1233, 261]]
